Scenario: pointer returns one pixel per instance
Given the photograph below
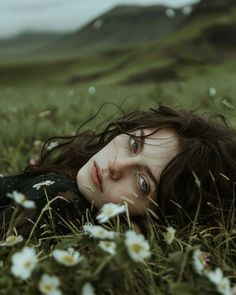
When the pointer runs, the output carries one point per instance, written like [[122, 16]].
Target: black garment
[[71, 207]]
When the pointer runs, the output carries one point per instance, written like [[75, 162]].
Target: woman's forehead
[[164, 141], [156, 144], [163, 134]]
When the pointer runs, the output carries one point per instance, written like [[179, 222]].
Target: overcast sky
[[17, 16]]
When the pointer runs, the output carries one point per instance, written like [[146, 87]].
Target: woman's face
[[128, 169]]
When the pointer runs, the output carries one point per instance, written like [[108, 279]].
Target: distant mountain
[[179, 33], [120, 27], [27, 44], [129, 25], [129, 44], [212, 6]]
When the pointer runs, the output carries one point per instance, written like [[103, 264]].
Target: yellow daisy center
[[137, 248]]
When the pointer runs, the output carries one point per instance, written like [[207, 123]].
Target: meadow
[[41, 98]]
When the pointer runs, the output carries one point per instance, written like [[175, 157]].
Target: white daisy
[[20, 199], [11, 240], [215, 276], [186, 10], [212, 92], [87, 289], [24, 262], [92, 90], [68, 257], [170, 12], [43, 183], [222, 283], [48, 285], [199, 261], [109, 210], [138, 248], [169, 236], [96, 231], [108, 246]]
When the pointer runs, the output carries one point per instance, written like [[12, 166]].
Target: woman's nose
[[118, 167]]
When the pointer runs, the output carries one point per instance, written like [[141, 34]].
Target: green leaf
[[177, 259], [182, 289], [67, 243], [12, 291], [5, 283]]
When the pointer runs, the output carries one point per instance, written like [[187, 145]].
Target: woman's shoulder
[[36, 183], [50, 180]]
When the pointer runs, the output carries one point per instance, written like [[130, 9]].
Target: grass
[[32, 112], [171, 268]]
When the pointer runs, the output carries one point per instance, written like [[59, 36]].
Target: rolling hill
[[132, 44], [118, 28]]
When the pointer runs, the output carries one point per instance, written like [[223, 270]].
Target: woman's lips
[[97, 177]]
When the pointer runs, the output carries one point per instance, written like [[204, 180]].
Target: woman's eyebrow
[[142, 139]]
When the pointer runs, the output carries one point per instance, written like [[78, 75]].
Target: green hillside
[[193, 54], [121, 27], [126, 26], [27, 44], [199, 40]]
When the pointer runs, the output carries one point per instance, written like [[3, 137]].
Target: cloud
[[28, 6]]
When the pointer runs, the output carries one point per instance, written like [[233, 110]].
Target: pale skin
[[124, 166]]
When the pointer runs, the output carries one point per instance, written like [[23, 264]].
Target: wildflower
[[222, 283], [48, 285], [68, 257], [108, 211], [170, 12], [45, 114], [108, 246], [212, 92], [199, 261], [11, 240], [92, 90], [137, 246], [98, 232], [24, 262], [87, 289], [37, 143], [43, 183], [169, 236], [187, 10], [20, 199], [71, 92]]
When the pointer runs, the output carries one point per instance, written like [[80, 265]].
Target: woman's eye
[[143, 185], [134, 144]]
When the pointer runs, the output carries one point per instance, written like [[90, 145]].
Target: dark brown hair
[[199, 180]]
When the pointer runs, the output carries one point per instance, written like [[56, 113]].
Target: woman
[[173, 164]]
